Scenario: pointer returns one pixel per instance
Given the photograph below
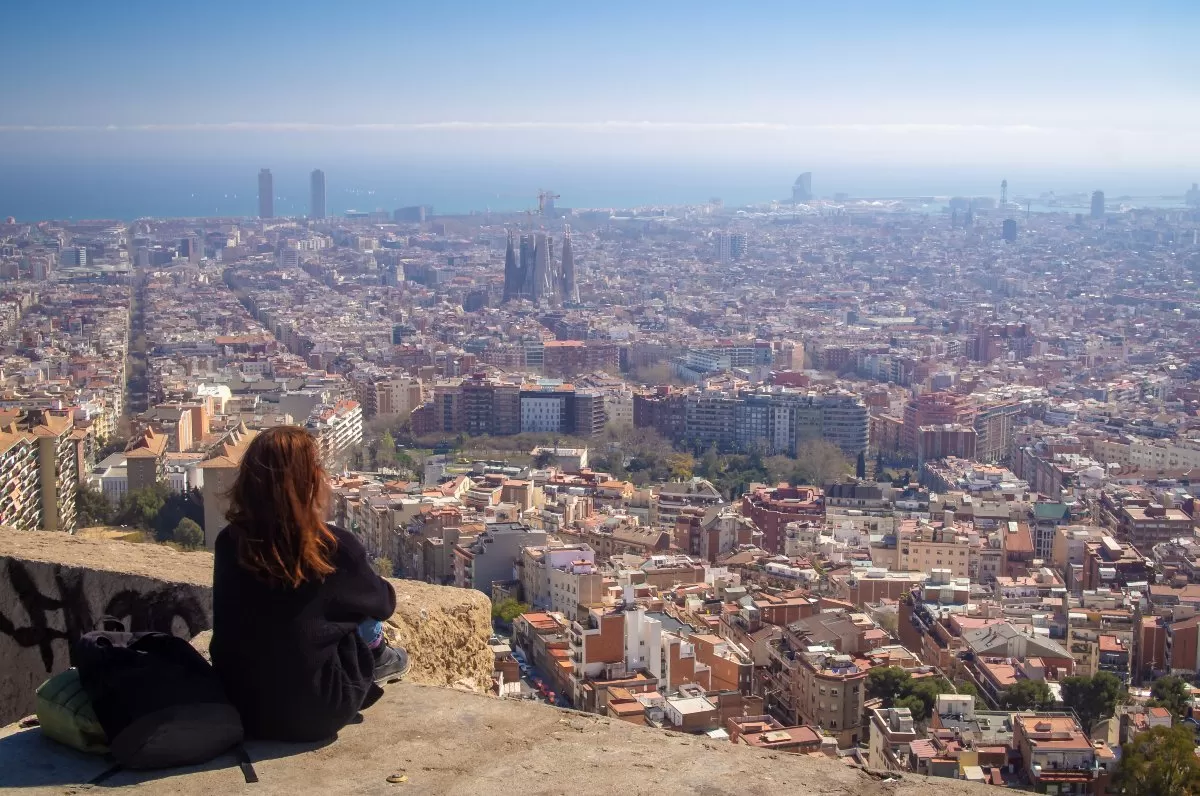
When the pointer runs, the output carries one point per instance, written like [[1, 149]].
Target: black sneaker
[[391, 663]]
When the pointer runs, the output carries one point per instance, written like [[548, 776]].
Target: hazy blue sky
[[1052, 81]]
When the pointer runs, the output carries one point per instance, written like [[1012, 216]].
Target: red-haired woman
[[297, 606]]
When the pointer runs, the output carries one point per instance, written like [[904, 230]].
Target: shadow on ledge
[[29, 759], [446, 741]]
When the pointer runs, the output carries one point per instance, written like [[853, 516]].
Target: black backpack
[[159, 702]]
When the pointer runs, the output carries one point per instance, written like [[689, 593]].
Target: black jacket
[[291, 659]]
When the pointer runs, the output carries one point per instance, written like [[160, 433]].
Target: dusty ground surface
[[445, 741]]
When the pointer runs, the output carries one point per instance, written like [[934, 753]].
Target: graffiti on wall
[[68, 613]]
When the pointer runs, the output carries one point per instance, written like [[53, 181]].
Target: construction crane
[[546, 201]]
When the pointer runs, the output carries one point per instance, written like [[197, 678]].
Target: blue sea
[[127, 190]]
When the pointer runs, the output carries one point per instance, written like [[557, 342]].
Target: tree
[[1161, 760], [819, 462], [384, 567], [140, 507], [681, 466], [925, 690], [114, 444], [543, 459], [188, 535], [1027, 695], [779, 469], [969, 689], [508, 609], [92, 507], [387, 448], [915, 705], [1173, 693], [1093, 698], [710, 463], [175, 507], [888, 683], [860, 465]]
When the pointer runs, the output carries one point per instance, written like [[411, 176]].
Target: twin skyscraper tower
[[533, 274]]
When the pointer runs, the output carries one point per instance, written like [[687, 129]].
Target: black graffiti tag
[[156, 609]]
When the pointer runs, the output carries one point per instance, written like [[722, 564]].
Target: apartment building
[[146, 459], [994, 424], [779, 419], [1146, 526], [1146, 454], [489, 407], [767, 733], [57, 471], [21, 502], [568, 358], [395, 396], [817, 685], [492, 556], [1058, 756], [673, 498], [561, 578], [220, 470], [945, 439], [817, 670], [711, 533], [620, 534], [771, 509], [613, 645], [338, 429], [934, 409], [544, 639], [892, 734]]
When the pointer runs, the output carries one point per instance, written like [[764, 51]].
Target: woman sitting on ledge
[[297, 606]]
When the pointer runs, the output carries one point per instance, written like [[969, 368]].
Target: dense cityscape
[[904, 482]]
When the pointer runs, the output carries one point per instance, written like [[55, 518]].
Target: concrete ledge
[[445, 631], [54, 588], [451, 742]]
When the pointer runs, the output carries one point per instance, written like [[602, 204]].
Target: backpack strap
[[239, 753], [245, 764], [106, 774]]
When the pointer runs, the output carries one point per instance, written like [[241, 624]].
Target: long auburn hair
[[277, 509]]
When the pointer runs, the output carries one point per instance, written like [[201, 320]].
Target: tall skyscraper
[[1098, 204], [802, 188], [266, 194], [191, 249], [724, 254], [570, 292], [1010, 230], [738, 243], [317, 203]]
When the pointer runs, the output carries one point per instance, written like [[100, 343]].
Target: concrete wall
[[55, 587]]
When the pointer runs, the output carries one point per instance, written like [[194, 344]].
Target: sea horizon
[[194, 189]]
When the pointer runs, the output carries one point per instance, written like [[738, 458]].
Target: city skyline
[[902, 84]]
